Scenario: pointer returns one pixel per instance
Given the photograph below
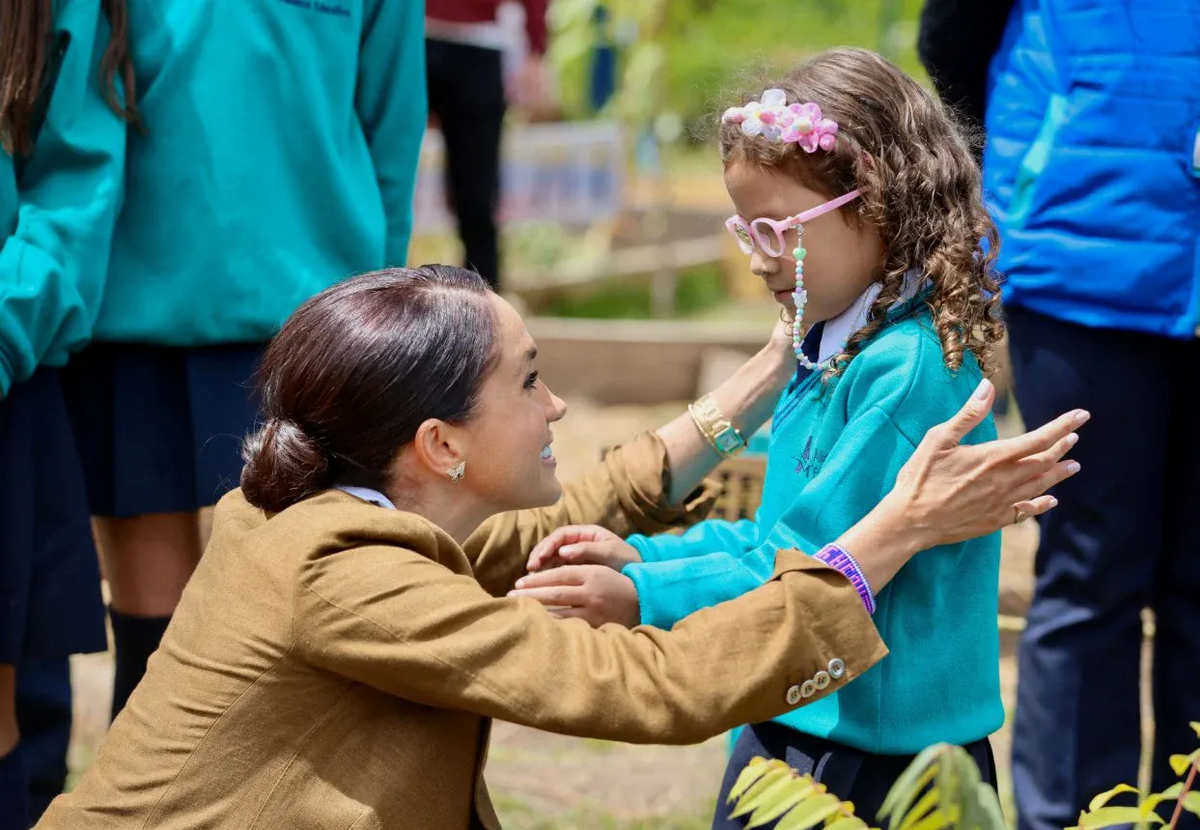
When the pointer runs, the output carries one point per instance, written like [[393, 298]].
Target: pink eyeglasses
[[768, 233]]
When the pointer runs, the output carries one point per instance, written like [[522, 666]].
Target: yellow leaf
[[921, 809], [954, 766], [1196, 728], [1110, 816], [847, 811], [1154, 799], [1191, 803], [775, 800], [915, 777], [765, 813], [1104, 797], [753, 771], [904, 804], [812, 811], [847, 823], [1181, 763], [985, 810], [936, 820], [772, 776]]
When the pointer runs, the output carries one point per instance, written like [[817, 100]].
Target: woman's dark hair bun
[[282, 464]]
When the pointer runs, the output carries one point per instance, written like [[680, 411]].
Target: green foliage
[[697, 289], [945, 783], [1180, 797], [705, 50], [769, 790], [940, 790]]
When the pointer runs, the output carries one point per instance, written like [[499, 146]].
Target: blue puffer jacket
[[1093, 161]]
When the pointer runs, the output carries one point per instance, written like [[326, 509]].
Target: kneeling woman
[[338, 654]]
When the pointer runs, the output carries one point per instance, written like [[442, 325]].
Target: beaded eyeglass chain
[[800, 295], [800, 298]]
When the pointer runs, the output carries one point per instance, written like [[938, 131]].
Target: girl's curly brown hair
[[921, 188]]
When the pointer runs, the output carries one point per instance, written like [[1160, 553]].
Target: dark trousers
[[851, 775], [44, 718], [1125, 536], [466, 93]]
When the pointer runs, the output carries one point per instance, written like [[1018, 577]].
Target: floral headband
[[773, 118]]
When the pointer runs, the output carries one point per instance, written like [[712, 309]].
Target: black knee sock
[[135, 639], [13, 791], [44, 719]]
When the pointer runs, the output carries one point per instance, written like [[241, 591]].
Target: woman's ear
[[438, 447]]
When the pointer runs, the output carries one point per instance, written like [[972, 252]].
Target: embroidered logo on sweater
[[810, 461], [334, 9]]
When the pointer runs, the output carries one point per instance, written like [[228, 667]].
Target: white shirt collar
[[841, 328], [368, 495]]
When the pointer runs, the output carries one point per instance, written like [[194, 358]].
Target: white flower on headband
[[774, 119]]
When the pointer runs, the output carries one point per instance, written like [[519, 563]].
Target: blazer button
[[808, 689], [822, 679], [793, 695], [837, 669]]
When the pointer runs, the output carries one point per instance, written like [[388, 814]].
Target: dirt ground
[[541, 780]]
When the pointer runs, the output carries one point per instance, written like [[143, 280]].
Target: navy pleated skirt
[[160, 428], [50, 602]]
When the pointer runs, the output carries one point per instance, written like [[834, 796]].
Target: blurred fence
[[570, 173]]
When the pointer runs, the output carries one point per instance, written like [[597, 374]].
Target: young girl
[[63, 132], [860, 207], [279, 156]]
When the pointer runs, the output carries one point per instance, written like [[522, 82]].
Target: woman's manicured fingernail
[[1072, 439], [1081, 416], [981, 391], [1053, 502], [1072, 467]]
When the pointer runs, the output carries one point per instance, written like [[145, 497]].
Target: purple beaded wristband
[[840, 560]]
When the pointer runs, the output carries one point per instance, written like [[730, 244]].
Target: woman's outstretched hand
[[948, 492]]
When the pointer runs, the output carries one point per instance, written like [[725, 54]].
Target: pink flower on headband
[[767, 118], [774, 119]]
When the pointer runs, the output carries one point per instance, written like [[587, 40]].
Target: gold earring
[[457, 472]]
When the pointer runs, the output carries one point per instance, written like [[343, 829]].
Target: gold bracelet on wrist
[[720, 433]]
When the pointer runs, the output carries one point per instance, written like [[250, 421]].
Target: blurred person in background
[[467, 92], [956, 41], [63, 116], [1092, 161], [279, 157]]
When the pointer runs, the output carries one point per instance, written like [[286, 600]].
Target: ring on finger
[[1019, 515]]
